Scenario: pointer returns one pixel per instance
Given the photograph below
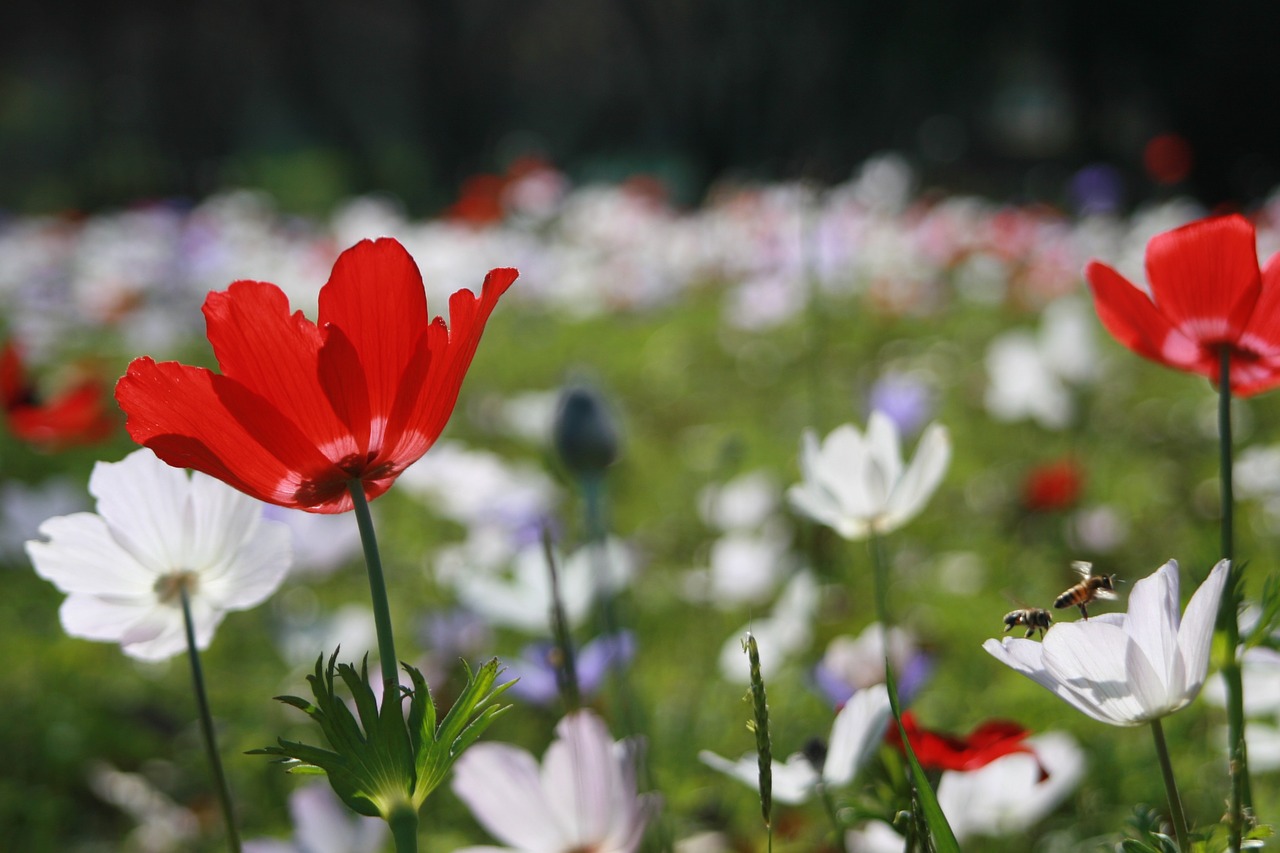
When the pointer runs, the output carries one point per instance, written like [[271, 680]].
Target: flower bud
[[585, 436]]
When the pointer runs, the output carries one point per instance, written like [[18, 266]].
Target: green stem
[[1171, 788], [565, 666], [829, 804], [404, 829], [1241, 798], [206, 726], [377, 591]]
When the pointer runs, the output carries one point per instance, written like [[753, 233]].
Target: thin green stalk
[[404, 829], [565, 667], [206, 726], [829, 804], [1241, 799], [1171, 788], [924, 802], [629, 711], [377, 591]]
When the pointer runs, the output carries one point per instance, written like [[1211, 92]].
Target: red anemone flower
[[938, 751], [78, 415], [1053, 486], [1207, 296], [302, 409]]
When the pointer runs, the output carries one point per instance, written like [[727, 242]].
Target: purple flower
[[905, 397], [536, 666]]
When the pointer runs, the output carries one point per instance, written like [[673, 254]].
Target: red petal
[[1262, 334], [1133, 320], [78, 416], [1204, 276], [429, 387], [275, 355], [194, 418], [13, 380], [375, 296]]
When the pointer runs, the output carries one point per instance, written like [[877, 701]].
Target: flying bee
[[1034, 618], [1092, 587]]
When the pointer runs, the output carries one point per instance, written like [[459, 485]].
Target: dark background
[[103, 104]]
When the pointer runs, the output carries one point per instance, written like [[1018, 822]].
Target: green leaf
[[944, 840]]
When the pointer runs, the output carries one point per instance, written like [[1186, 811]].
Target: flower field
[[830, 406]]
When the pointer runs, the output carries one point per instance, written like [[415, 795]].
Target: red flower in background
[[78, 415], [1052, 487], [1207, 295], [301, 409], [938, 751]]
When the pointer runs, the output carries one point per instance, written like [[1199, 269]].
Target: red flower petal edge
[[302, 409], [939, 751]]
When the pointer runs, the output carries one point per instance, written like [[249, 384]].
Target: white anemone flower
[[858, 485], [159, 532], [323, 824], [582, 798], [857, 732], [1127, 668], [1008, 796]]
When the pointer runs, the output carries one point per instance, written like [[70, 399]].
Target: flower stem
[[404, 828], [206, 726], [924, 806], [1228, 619], [565, 667], [377, 591], [1171, 788], [829, 804]]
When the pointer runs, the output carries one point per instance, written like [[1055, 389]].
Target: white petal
[[1026, 656], [922, 478], [793, 782], [842, 472], [92, 617], [144, 502], [1195, 634], [501, 785], [856, 733], [173, 639], [221, 519], [885, 446], [581, 775], [1099, 664], [1152, 619], [82, 557], [253, 572]]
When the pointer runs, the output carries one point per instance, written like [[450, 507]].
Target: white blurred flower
[[521, 599], [744, 503], [1028, 375], [744, 568], [1125, 669], [856, 733], [786, 631], [163, 825], [582, 798], [323, 824], [851, 664], [1260, 673], [157, 533], [858, 485], [321, 543], [1014, 792], [23, 507], [1005, 797], [477, 487]]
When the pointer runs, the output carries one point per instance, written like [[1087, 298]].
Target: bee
[[1035, 618], [1090, 588]]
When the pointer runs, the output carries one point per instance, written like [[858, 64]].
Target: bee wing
[[1105, 594], [1082, 568]]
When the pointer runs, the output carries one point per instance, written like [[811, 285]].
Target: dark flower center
[[169, 588]]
